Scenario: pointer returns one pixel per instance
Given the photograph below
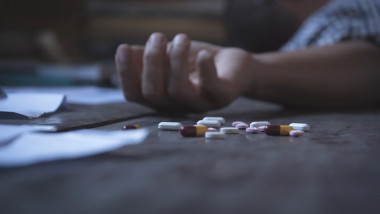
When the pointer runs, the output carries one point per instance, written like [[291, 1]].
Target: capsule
[[193, 131], [278, 130], [134, 126]]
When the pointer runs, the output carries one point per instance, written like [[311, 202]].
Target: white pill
[[170, 126], [215, 135], [229, 130], [259, 123], [209, 123], [300, 126], [220, 119]]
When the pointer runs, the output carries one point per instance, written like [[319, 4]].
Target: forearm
[[331, 76]]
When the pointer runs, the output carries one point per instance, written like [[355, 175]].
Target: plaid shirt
[[339, 20]]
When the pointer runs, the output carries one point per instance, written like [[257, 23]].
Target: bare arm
[[186, 75], [346, 74]]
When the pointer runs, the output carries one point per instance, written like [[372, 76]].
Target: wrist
[[256, 71]]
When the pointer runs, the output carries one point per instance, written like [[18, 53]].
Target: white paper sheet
[[31, 148], [31, 105], [79, 95], [10, 132]]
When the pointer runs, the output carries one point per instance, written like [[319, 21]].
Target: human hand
[[183, 75]]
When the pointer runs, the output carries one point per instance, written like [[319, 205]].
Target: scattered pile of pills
[[211, 127]]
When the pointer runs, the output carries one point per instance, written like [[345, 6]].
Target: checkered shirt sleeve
[[338, 21]]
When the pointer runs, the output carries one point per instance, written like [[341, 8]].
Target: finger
[[179, 55], [211, 87], [179, 86], [129, 74], [153, 74]]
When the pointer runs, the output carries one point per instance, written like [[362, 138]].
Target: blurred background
[[37, 36]]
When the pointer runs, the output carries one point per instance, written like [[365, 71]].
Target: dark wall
[[258, 26]]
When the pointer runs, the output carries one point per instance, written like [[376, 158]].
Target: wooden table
[[334, 168]]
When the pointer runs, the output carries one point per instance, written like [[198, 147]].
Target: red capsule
[[134, 126], [278, 130], [193, 131]]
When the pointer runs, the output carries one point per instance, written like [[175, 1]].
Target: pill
[[259, 123], [170, 126], [236, 122], [229, 130], [134, 126], [209, 123], [300, 126], [296, 133], [220, 119], [241, 126], [278, 130], [193, 131], [212, 129], [253, 130], [262, 128], [215, 135]]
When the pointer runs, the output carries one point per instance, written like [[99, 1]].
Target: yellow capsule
[[193, 131], [278, 130]]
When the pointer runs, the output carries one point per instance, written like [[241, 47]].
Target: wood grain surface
[[334, 168]]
